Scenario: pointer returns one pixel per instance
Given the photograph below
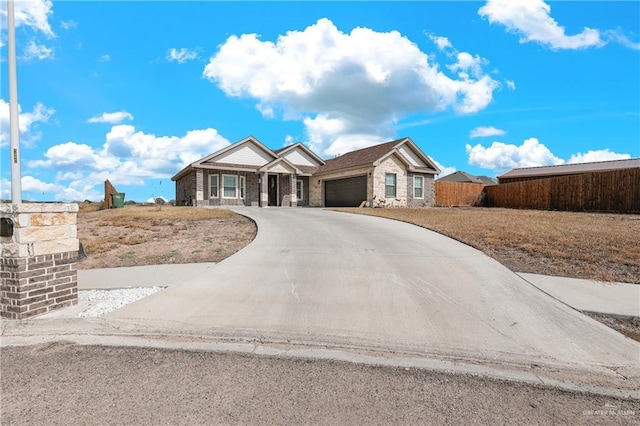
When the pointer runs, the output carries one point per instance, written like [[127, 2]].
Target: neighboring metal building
[[533, 173]]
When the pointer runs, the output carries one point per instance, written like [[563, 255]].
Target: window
[[417, 186], [299, 191], [242, 186], [390, 185], [213, 186], [229, 186]]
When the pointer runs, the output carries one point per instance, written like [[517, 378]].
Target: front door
[[273, 190]]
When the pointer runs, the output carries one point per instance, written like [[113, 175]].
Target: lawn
[[580, 245]]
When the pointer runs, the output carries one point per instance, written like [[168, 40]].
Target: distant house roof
[[571, 169], [460, 176], [465, 177], [488, 181], [368, 156]]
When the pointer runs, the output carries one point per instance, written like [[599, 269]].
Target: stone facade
[[39, 259], [390, 165]]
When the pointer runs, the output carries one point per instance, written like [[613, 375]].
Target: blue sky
[[134, 91]]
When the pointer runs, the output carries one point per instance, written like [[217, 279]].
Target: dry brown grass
[[581, 245], [148, 235]]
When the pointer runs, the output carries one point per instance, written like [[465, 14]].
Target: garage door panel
[[348, 192]]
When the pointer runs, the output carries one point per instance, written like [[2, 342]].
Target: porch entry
[[273, 190]]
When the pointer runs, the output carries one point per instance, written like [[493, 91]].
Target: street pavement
[[317, 277]]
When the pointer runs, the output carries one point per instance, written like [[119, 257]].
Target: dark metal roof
[[570, 169]]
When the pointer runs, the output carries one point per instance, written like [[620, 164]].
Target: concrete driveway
[[320, 276]]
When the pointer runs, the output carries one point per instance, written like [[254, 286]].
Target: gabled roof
[[269, 165], [460, 176], [282, 151], [373, 154], [248, 139], [487, 181], [570, 169], [199, 163]]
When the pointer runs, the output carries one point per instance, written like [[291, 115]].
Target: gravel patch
[[105, 301]]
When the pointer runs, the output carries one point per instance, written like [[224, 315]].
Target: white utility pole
[[16, 186]]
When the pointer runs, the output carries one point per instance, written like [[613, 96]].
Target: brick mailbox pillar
[[39, 258]]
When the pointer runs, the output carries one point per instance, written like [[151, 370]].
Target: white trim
[[211, 176], [235, 186], [415, 177], [301, 197]]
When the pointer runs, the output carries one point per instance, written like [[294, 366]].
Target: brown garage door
[[349, 192]]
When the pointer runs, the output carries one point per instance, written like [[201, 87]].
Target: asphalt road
[[68, 384], [320, 276]]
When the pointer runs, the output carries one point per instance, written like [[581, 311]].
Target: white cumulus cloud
[[127, 157], [440, 41], [111, 117], [532, 20], [27, 122], [486, 131], [444, 170], [181, 55], [34, 14], [505, 156], [34, 50], [348, 88], [67, 25], [597, 155], [105, 58], [500, 156]]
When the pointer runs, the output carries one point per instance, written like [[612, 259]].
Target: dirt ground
[[152, 235], [68, 384]]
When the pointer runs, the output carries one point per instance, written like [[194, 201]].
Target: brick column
[[39, 258], [294, 192], [264, 189], [199, 187]]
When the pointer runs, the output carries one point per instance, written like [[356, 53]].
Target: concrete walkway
[[616, 299], [140, 276]]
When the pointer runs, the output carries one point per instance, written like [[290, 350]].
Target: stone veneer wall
[[391, 165], [39, 261]]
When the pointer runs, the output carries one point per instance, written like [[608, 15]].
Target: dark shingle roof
[[361, 157], [568, 169]]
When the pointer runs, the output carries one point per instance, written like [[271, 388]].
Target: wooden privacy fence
[[457, 193], [612, 191]]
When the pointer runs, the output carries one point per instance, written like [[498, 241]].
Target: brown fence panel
[[457, 193], [533, 194], [614, 191]]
